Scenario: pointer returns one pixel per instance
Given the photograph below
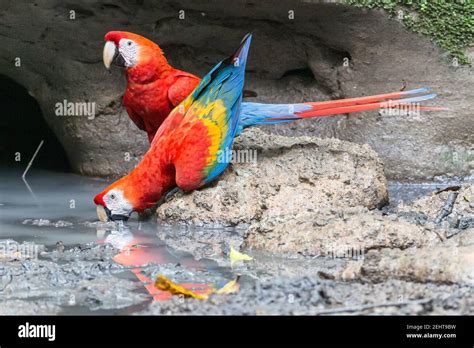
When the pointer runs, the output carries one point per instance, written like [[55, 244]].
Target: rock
[[466, 222], [380, 247], [61, 60], [432, 204], [349, 234], [290, 176], [441, 264], [437, 211]]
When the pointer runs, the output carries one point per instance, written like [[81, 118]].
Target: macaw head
[[132, 52], [120, 199], [114, 203]]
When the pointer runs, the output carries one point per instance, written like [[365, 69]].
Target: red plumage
[[154, 87]]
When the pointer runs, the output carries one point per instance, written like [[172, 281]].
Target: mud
[[53, 281], [306, 296], [88, 279], [348, 260]]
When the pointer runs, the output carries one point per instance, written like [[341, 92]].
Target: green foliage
[[450, 23]]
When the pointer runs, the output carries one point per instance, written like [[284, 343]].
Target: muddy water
[[56, 210], [25, 207]]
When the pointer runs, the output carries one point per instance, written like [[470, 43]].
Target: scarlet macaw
[[154, 88], [184, 152]]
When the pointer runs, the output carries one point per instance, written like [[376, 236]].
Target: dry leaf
[[237, 256], [230, 287], [165, 284]]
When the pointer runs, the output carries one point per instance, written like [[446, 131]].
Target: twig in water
[[449, 188], [371, 306], [447, 207]]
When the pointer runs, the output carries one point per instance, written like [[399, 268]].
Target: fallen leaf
[[237, 256], [165, 284], [230, 287]]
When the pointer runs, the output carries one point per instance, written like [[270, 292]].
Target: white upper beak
[[109, 53], [101, 214]]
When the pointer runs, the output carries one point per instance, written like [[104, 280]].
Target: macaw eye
[[129, 43], [112, 196]]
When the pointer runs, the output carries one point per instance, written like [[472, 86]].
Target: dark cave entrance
[[22, 128]]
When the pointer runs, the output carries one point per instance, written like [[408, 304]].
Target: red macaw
[[154, 88], [185, 150]]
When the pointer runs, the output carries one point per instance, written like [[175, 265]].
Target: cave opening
[[22, 128]]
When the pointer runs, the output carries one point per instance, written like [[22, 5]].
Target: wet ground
[[55, 257]]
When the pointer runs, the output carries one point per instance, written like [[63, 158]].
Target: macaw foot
[[146, 214], [168, 196], [171, 193]]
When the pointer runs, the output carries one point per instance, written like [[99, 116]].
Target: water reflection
[[138, 249]]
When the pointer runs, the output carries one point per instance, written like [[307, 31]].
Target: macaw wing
[[211, 115], [184, 84], [137, 119]]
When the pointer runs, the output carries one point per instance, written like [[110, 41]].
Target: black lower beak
[[115, 217], [118, 59], [118, 217]]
